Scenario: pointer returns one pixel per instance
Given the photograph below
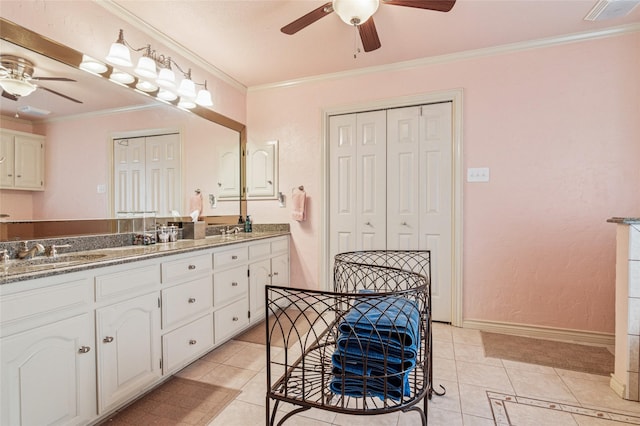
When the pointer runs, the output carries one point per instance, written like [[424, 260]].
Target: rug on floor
[[568, 356], [258, 333], [177, 401]]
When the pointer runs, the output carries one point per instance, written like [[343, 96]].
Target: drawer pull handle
[[108, 339], [235, 318], [84, 349], [234, 257], [192, 342], [192, 300], [192, 266], [234, 284], [275, 273]]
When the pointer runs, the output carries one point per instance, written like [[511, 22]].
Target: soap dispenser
[[247, 224]]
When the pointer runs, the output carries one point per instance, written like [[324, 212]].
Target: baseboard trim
[[618, 387], [540, 332]]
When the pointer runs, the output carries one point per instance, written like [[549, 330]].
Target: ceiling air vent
[[610, 9]]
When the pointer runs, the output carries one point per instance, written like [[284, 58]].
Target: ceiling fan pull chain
[[356, 49]]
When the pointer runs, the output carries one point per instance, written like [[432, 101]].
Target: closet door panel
[[436, 189], [371, 200], [342, 184], [403, 131]]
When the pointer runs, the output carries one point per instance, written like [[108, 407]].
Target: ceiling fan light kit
[[360, 13], [150, 80], [355, 12], [17, 87]]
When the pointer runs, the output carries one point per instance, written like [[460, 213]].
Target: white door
[[261, 179], [128, 339], [129, 174], [358, 182], [29, 162], [436, 192], [403, 218], [48, 374], [163, 174], [7, 163]]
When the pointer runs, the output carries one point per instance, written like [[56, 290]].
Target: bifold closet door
[[357, 182]]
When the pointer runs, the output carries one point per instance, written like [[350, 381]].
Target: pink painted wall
[[559, 129]]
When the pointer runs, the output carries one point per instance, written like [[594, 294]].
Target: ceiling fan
[[359, 13], [16, 77]]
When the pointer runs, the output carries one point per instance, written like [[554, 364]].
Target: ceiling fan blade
[[437, 5], [369, 35], [52, 79], [308, 19], [60, 94], [8, 95]]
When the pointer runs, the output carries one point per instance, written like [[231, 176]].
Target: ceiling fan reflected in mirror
[[17, 79], [359, 13]]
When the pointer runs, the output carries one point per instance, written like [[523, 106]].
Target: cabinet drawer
[[185, 268], [229, 284], [280, 245], [187, 342], [188, 300], [230, 319], [42, 305], [257, 251], [228, 258], [127, 282]]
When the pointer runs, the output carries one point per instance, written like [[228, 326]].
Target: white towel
[[298, 201]]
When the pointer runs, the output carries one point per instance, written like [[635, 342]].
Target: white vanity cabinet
[[77, 346], [268, 265], [22, 165], [187, 309], [47, 352]]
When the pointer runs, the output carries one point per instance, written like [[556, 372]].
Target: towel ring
[[300, 188]]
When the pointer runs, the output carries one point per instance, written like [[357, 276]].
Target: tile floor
[[480, 391]]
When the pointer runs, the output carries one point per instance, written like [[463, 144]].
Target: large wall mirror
[[80, 120]]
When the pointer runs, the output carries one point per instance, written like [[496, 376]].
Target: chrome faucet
[[24, 252], [233, 230], [52, 250]]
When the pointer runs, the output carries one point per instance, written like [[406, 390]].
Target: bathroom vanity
[[82, 338]]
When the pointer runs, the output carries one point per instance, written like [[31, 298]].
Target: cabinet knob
[[84, 349], [404, 224], [368, 223], [192, 300], [234, 284], [192, 342], [192, 266], [108, 339], [234, 257], [235, 318]]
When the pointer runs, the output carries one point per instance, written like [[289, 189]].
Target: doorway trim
[[455, 97]]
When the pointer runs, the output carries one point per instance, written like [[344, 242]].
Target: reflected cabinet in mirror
[[108, 150]]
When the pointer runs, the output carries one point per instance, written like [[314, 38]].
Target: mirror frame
[[38, 43]]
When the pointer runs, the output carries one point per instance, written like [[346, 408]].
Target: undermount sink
[[63, 259]]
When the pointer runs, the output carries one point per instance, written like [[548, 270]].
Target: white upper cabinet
[[21, 161]]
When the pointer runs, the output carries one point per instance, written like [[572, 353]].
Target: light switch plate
[[478, 174]]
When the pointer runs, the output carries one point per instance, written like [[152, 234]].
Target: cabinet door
[[48, 374], [259, 277], [29, 162], [261, 169], [280, 270], [128, 339], [7, 156]]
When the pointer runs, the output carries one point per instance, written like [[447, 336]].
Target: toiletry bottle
[[247, 224]]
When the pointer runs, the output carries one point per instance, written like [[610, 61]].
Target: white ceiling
[[242, 38]]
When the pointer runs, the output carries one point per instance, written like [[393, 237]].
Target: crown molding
[[158, 35], [459, 56]]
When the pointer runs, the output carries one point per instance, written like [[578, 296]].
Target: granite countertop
[[39, 267], [624, 220]]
